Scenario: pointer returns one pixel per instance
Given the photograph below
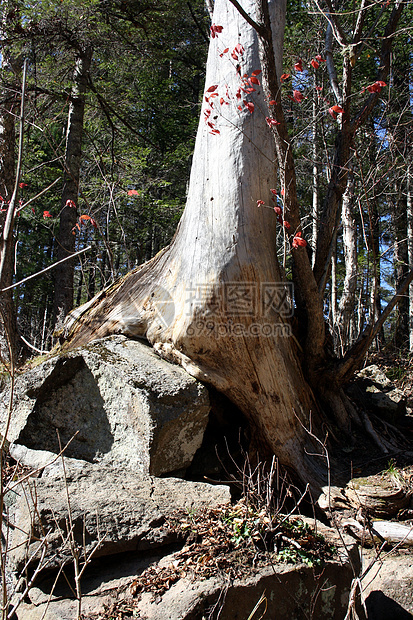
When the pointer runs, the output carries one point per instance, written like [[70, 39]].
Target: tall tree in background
[[10, 88], [400, 136], [64, 273]]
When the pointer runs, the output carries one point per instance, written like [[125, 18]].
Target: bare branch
[[35, 275], [344, 370], [260, 28]]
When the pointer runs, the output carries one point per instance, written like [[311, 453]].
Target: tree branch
[[259, 28], [8, 224], [345, 369], [39, 273]]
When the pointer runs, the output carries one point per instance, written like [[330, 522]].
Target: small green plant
[[241, 531], [291, 555], [397, 373], [393, 471]]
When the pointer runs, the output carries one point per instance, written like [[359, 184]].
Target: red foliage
[[215, 30]]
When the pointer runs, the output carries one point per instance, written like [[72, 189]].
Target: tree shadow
[[69, 403], [381, 607]]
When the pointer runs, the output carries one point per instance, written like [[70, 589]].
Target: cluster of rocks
[[108, 432]]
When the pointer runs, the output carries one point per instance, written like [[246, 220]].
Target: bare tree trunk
[[334, 288], [410, 248], [315, 172], [214, 301], [63, 275], [401, 266], [347, 301], [10, 69]]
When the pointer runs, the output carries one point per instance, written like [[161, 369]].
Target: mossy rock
[[381, 495]]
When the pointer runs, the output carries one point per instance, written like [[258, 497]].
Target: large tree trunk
[[214, 300], [63, 276]]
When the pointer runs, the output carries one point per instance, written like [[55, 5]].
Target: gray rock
[[291, 591], [117, 402], [375, 392], [118, 509], [388, 586], [376, 375]]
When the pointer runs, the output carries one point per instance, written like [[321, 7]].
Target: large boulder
[[99, 509], [116, 402]]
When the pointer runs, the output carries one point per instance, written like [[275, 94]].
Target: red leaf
[[319, 88], [93, 222], [215, 30], [278, 210], [286, 224], [315, 64], [260, 202], [284, 77], [238, 93], [254, 80], [298, 96], [334, 110], [84, 218], [215, 131], [249, 105], [256, 72], [271, 122], [234, 55], [272, 102], [212, 88], [70, 203], [239, 49], [376, 87], [22, 185], [133, 192], [46, 214], [273, 191], [250, 90], [298, 65], [298, 241], [239, 107], [319, 58]]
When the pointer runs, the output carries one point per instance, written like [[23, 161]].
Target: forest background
[[113, 95]]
